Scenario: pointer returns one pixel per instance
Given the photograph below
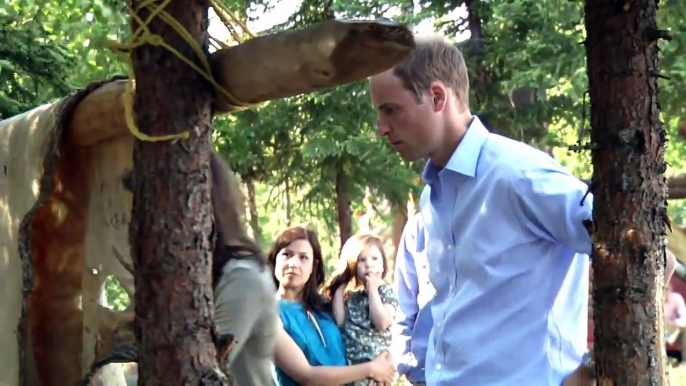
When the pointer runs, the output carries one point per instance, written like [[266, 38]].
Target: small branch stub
[[656, 34]]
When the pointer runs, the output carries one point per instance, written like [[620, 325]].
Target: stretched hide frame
[[65, 209], [66, 213]]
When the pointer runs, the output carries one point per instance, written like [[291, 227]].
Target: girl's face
[[294, 265], [370, 262]]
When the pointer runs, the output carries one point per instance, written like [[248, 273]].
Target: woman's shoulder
[[242, 264], [290, 305], [249, 276], [291, 312], [290, 309], [251, 269]]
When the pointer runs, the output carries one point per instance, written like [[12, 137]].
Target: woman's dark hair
[[231, 239], [311, 299]]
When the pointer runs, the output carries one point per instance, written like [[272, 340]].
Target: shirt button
[[450, 247], [438, 366]]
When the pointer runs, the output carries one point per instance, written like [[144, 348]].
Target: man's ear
[[439, 95]]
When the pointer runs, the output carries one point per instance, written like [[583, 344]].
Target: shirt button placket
[[451, 258]]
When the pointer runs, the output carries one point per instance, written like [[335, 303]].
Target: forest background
[[316, 159]]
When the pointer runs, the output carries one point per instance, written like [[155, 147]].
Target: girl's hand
[[372, 282], [382, 369]]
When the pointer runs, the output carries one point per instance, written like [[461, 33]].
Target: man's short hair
[[434, 59]]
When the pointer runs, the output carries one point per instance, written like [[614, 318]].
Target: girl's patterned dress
[[363, 342]]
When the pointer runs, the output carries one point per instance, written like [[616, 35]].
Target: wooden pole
[[630, 192], [171, 221]]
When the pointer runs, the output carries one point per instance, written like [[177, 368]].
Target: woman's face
[[294, 264]]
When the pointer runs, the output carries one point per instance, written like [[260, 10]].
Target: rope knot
[[142, 36]]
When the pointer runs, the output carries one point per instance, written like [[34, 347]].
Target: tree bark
[[630, 191], [400, 216], [171, 225], [287, 203], [345, 218], [676, 187], [253, 216]]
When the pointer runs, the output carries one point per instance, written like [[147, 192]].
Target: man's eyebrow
[[386, 105]]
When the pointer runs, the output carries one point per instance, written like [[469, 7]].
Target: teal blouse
[[322, 346]]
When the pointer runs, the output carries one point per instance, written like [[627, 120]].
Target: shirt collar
[[466, 157]]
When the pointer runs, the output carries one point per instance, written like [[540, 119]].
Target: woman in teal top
[[309, 345], [322, 346]]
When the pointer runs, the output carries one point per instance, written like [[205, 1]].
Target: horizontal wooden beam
[[296, 62], [280, 65]]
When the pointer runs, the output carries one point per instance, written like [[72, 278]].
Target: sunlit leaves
[[50, 48]]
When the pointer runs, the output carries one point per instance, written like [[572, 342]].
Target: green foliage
[[528, 79], [48, 49], [298, 145], [32, 69], [117, 298]]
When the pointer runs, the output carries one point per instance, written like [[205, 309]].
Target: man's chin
[[410, 157]]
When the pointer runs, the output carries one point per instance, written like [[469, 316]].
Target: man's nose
[[382, 127]]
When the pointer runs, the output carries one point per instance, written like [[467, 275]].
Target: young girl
[[363, 304]]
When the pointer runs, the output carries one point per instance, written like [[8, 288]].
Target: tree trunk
[[630, 191], [171, 223], [400, 215], [253, 217], [287, 203], [345, 218]]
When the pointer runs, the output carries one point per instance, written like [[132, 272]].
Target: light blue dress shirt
[[412, 324], [507, 254]]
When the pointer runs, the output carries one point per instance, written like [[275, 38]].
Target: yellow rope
[[142, 36], [222, 10]]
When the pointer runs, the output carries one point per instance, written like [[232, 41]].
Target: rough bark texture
[[287, 203], [345, 217], [630, 191], [253, 216], [676, 187], [172, 212], [400, 215]]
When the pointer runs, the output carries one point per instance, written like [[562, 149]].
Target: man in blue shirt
[[413, 322], [507, 246]]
